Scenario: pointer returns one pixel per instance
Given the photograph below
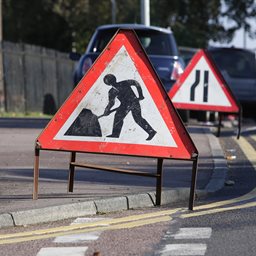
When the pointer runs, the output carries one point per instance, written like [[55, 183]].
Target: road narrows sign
[[202, 87], [119, 107]]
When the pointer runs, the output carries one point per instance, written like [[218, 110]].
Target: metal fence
[[36, 79]]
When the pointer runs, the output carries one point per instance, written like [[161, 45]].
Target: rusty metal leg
[[240, 114], [71, 172], [193, 185], [159, 181], [36, 174], [219, 125]]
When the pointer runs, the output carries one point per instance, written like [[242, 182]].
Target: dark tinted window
[[154, 42], [187, 55], [238, 64]]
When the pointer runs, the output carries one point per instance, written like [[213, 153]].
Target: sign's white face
[[97, 99], [201, 87]]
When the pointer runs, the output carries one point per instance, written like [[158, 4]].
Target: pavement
[[94, 191]]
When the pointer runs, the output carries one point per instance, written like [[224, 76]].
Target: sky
[[238, 40]]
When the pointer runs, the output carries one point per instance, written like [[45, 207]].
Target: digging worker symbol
[[129, 102]]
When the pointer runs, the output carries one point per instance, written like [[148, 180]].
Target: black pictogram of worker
[[129, 102]]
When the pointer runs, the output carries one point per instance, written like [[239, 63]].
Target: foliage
[[84, 16], [239, 12], [34, 22], [193, 22], [196, 22], [68, 24]]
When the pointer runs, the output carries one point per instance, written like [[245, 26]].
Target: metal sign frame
[[235, 107], [158, 175], [184, 145], [183, 150]]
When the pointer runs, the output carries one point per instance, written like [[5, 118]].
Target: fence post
[[2, 87]]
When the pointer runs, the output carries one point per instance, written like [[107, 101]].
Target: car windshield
[[238, 64], [154, 42]]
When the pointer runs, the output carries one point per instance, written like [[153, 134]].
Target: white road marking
[[76, 238], [184, 249], [187, 249], [63, 251], [87, 220], [193, 233]]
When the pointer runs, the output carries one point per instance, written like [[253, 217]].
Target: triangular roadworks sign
[[119, 107], [202, 87]]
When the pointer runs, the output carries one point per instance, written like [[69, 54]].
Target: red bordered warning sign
[[119, 107], [202, 87]]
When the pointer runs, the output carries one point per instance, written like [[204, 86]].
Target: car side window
[[236, 64], [154, 42], [102, 40], [158, 44]]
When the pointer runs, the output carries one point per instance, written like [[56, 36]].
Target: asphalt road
[[16, 171], [222, 224], [225, 223]]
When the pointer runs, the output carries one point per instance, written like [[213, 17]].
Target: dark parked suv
[[159, 44], [238, 66]]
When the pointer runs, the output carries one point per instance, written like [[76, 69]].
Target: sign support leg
[[159, 181], [239, 123], [36, 174], [71, 172], [219, 125], [193, 185]]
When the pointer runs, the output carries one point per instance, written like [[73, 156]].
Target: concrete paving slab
[[54, 213], [111, 204], [6, 220], [139, 201]]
